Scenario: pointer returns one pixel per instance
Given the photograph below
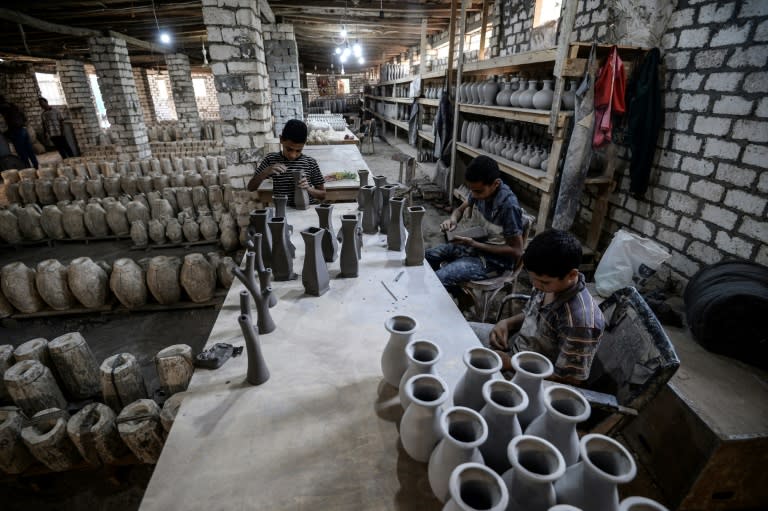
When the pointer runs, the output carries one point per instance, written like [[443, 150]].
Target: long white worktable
[[321, 434]]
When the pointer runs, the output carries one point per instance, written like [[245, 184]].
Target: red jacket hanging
[[609, 97]]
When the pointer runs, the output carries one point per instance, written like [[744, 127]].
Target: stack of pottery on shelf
[[490, 443], [514, 92]]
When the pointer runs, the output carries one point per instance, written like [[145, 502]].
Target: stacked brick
[[145, 98], [118, 88], [183, 93], [513, 27], [208, 105], [282, 58], [357, 82], [77, 91], [236, 51], [160, 94]]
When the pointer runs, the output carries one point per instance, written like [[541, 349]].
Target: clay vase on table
[[463, 432], [396, 233], [265, 284], [350, 246], [281, 204], [378, 182], [564, 408], [530, 369], [260, 296], [258, 372], [414, 244], [314, 273], [370, 213], [282, 262], [362, 174], [481, 365], [257, 223], [592, 482], [300, 195], [393, 359], [330, 243], [475, 487], [536, 465], [422, 355], [420, 424], [503, 401]]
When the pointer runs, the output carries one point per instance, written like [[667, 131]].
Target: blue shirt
[[502, 210]]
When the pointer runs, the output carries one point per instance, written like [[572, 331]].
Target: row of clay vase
[[529, 155], [391, 72], [514, 93], [433, 92], [482, 420], [382, 213]]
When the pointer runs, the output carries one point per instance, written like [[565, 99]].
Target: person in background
[[279, 166], [561, 320], [53, 127], [465, 259], [17, 132]]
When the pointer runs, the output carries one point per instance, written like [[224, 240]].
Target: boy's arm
[[265, 170], [317, 182], [513, 248], [453, 220]]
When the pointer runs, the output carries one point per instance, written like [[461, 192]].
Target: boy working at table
[[279, 166], [561, 319]]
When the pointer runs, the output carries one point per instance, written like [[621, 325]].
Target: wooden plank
[[533, 177], [266, 12], [483, 24], [429, 102], [501, 63], [515, 114], [566, 28], [452, 39], [46, 26], [423, 46], [427, 136]]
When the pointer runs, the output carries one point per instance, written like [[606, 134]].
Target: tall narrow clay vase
[[482, 364], [565, 408], [314, 273], [265, 283], [330, 243], [463, 432], [386, 192], [420, 425], [282, 262], [350, 250], [258, 372], [258, 224], [261, 299], [393, 360], [591, 483], [370, 213], [378, 182], [396, 233], [536, 465], [475, 487], [422, 355], [530, 369], [281, 204], [414, 245], [503, 401], [300, 195], [362, 174]]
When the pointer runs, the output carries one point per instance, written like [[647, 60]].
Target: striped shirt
[[567, 331], [282, 184]]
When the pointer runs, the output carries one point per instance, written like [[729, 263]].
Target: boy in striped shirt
[[561, 319], [279, 166]]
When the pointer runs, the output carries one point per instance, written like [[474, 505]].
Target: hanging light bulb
[[165, 37], [342, 69], [361, 61], [343, 31], [357, 50], [343, 58], [338, 51]]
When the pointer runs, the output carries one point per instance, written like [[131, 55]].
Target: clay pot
[[163, 279], [482, 364], [419, 426], [88, 282], [530, 369], [542, 100], [474, 487], [19, 287], [127, 282], [393, 359], [198, 278], [565, 408], [503, 401], [536, 465], [422, 356], [51, 283]]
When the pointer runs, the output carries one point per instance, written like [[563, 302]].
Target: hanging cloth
[[443, 129], [609, 97], [644, 121], [413, 123]]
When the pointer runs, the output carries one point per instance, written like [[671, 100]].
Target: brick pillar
[[240, 74], [77, 91], [183, 93], [22, 90], [283, 66], [145, 99], [118, 88]]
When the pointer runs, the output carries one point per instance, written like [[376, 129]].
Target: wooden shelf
[[390, 99], [498, 64], [534, 177], [431, 75], [395, 82], [399, 124], [429, 137], [429, 102], [515, 114]]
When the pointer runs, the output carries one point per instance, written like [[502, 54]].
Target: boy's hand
[[448, 225], [304, 184], [499, 337], [463, 240], [277, 168]]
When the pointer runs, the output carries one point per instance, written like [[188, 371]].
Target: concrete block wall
[[357, 82], [145, 97], [109, 56], [236, 50], [208, 105], [21, 89], [82, 109], [183, 92], [282, 57], [162, 102]]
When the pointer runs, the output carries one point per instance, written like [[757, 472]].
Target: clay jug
[[422, 355], [503, 401], [393, 359], [477, 134], [530, 369], [542, 100], [482, 364], [314, 273], [474, 487], [502, 98], [536, 465], [414, 245], [463, 432], [490, 89], [565, 408], [350, 246], [525, 99], [420, 424], [591, 483], [569, 96], [330, 243]]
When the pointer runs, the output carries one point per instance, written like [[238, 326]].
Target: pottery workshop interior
[[407, 255]]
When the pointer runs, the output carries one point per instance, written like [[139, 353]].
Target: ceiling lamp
[[165, 38], [343, 32]]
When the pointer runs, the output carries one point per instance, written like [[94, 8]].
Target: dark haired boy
[[280, 166], [561, 319], [466, 259]]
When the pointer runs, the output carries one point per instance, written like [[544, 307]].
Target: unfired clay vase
[[420, 424], [396, 232], [350, 246], [414, 245], [363, 177], [475, 487], [258, 372], [260, 297], [300, 195], [18, 286], [422, 355], [330, 243], [564, 409], [198, 278], [536, 465], [640, 504], [257, 223], [530, 369], [503, 401], [314, 273], [393, 359], [542, 100], [128, 283], [370, 213], [282, 262], [463, 432], [481, 365], [51, 283], [591, 483]]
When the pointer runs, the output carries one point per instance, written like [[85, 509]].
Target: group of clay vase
[[497, 444], [382, 213], [514, 93]]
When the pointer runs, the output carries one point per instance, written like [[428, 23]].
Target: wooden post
[[566, 27], [423, 47], [483, 23], [451, 40], [452, 172]]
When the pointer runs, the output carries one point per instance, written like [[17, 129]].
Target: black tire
[[726, 308]]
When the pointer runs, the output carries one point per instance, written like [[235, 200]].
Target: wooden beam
[[266, 12], [483, 24], [452, 40], [139, 43], [46, 26], [567, 21], [423, 48]]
